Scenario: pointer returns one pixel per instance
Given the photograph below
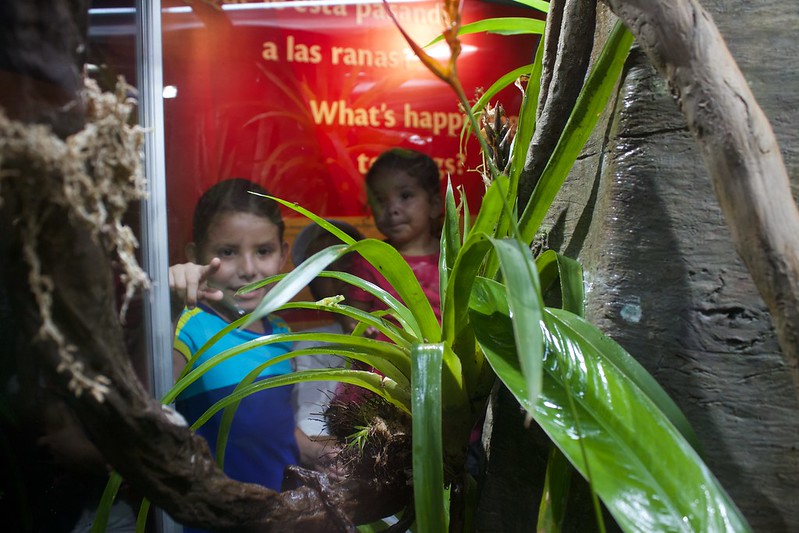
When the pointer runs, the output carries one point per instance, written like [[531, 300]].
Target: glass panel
[[301, 96], [124, 41], [298, 97]]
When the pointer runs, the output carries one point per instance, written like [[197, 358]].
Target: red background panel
[[300, 98]]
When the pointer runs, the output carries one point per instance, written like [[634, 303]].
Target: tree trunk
[[662, 274], [737, 144]]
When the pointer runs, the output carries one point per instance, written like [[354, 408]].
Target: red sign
[[301, 96]]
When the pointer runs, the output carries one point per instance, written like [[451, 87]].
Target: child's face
[[404, 211], [250, 249]]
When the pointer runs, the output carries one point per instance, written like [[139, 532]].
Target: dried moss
[[94, 175]]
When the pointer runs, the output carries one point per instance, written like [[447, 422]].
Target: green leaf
[[380, 385], [647, 475], [289, 285], [491, 208], [450, 241], [455, 321], [451, 233], [141, 518], [518, 152], [504, 81], [553, 267], [428, 465], [464, 209], [388, 261], [500, 26], [526, 126], [587, 110], [388, 328], [540, 5], [524, 303], [556, 492], [386, 357], [341, 234], [106, 501], [591, 337]]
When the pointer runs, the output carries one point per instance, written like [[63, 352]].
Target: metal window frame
[[154, 230]]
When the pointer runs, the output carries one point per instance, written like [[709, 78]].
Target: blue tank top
[[261, 441]]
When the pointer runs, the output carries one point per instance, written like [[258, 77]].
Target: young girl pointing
[[237, 239]]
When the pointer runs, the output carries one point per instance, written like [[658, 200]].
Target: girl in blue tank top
[[237, 239]]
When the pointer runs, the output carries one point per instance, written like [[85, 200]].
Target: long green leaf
[[450, 241], [491, 208], [455, 321], [463, 207], [502, 82], [288, 285], [380, 385], [428, 465], [586, 113], [383, 356], [526, 126], [554, 267], [400, 372], [395, 334], [106, 501], [540, 5], [557, 483], [500, 26], [381, 255], [450, 233], [614, 354], [525, 305], [291, 284], [648, 476], [338, 232], [388, 261], [141, 517]]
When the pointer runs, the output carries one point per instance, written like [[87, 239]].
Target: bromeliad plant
[[603, 412]]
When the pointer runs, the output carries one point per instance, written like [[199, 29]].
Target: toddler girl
[[404, 194], [403, 190]]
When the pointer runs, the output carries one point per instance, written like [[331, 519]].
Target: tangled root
[[377, 438]]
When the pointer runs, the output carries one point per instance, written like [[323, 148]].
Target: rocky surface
[[662, 275]]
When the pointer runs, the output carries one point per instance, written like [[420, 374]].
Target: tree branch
[[569, 40]]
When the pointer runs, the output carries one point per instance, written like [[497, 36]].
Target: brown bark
[[569, 39], [738, 145]]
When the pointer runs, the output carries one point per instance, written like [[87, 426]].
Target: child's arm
[[319, 454], [178, 364], [188, 282]]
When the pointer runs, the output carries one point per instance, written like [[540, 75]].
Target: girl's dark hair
[[233, 196], [415, 164]]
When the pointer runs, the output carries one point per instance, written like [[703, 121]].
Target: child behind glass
[[404, 194], [237, 239]]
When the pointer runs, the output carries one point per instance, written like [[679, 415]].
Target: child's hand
[[188, 282]]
